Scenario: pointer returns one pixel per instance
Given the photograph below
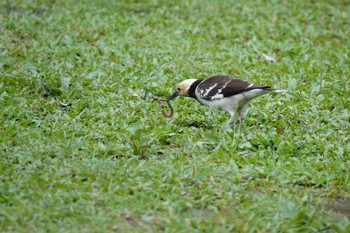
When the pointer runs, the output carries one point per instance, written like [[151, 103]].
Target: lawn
[[84, 146]]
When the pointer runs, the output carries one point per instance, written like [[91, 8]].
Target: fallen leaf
[[269, 58]]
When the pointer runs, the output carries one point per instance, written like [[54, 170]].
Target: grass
[[110, 162]]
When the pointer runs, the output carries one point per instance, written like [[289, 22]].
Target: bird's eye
[[179, 89]]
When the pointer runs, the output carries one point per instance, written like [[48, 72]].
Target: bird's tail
[[275, 90]]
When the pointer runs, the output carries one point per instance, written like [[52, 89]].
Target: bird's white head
[[182, 88]]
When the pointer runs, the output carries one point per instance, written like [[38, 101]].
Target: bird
[[223, 92]]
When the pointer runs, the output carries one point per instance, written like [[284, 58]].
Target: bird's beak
[[173, 96]]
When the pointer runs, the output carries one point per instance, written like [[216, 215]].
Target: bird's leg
[[242, 113], [232, 114], [239, 121]]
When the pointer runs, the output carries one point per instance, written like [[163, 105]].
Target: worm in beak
[[161, 101]]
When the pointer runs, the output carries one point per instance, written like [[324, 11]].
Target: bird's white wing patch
[[217, 96], [220, 90], [206, 92], [213, 92]]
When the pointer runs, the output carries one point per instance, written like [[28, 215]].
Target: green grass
[[111, 162]]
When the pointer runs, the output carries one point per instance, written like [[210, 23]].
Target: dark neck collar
[[192, 91]]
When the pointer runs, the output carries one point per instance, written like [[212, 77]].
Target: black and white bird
[[223, 93]]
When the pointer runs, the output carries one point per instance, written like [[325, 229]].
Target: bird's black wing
[[218, 87]]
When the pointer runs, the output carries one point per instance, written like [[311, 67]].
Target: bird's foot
[[239, 121]]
